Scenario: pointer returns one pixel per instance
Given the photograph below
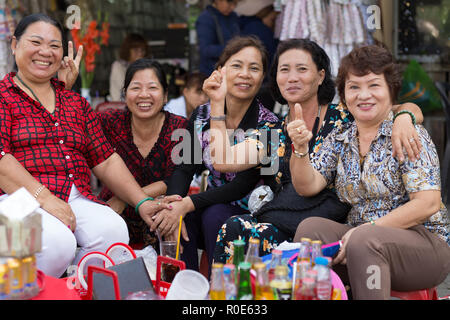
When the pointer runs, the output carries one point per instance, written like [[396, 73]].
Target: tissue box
[[20, 225]]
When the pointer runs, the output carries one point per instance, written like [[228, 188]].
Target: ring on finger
[[411, 140], [299, 130]]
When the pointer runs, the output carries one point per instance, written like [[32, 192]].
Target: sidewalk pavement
[[444, 288]]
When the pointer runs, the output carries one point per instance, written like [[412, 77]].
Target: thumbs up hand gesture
[[298, 132]]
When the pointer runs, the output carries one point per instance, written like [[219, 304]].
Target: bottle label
[[283, 294]]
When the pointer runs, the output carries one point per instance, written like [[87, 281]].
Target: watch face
[[192, 1]]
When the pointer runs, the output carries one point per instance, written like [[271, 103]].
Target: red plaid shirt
[[57, 149]]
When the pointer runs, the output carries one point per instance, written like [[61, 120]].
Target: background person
[[133, 47], [215, 26], [192, 97]]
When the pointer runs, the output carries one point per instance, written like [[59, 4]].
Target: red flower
[[105, 33], [91, 41]]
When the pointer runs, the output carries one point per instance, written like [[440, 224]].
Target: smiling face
[[245, 73], [368, 98], [297, 76], [38, 52], [145, 96]]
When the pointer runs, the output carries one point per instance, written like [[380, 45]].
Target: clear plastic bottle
[[301, 269], [316, 250], [230, 282], [307, 291], [252, 255], [277, 256], [323, 282]]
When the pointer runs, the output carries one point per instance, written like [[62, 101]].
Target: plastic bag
[[150, 256], [418, 88], [259, 197]]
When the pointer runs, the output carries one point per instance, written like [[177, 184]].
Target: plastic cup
[[188, 285], [168, 249]]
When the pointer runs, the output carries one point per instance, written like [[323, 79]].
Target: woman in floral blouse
[[301, 73], [227, 193], [397, 223]]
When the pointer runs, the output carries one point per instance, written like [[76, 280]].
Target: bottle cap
[[217, 265], [254, 240], [239, 242], [319, 242], [321, 260], [229, 266], [305, 240], [259, 265], [245, 265], [277, 252]]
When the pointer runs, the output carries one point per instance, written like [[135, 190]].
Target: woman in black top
[[227, 193]]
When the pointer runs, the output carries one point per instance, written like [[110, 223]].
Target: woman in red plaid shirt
[[50, 140]]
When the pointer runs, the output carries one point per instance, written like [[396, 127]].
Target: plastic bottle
[[217, 291], [304, 253], [263, 291], [229, 281], [281, 285], [301, 268], [244, 288], [316, 250], [4, 280], [252, 255], [307, 291], [323, 282], [277, 256]]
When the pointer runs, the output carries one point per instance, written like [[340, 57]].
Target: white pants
[[98, 227]]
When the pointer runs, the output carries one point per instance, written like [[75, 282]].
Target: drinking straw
[[179, 236]]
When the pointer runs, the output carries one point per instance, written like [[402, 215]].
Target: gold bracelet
[[38, 191], [298, 154]]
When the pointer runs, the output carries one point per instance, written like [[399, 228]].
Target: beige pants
[[381, 259]]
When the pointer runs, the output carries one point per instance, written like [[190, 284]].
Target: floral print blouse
[[379, 184]]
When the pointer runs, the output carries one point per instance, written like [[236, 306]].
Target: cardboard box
[[20, 225]]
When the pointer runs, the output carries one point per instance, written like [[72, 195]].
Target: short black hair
[[142, 64], [38, 17], [327, 90]]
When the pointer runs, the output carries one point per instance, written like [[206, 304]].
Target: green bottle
[[238, 252], [244, 288]]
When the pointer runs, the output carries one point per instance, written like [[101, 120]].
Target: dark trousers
[[202, 227]]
